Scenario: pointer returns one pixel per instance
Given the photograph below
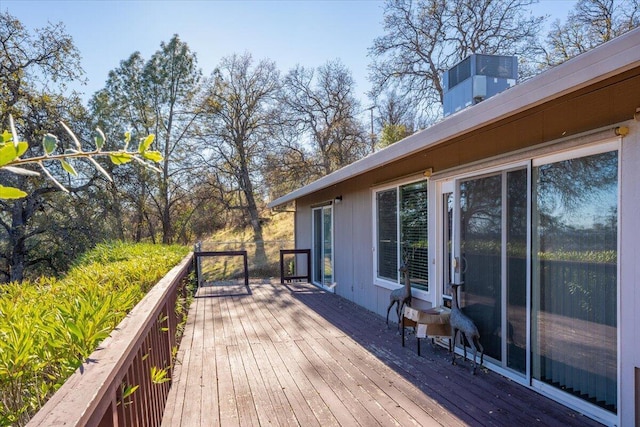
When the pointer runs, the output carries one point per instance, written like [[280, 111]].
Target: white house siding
[[353, 241]]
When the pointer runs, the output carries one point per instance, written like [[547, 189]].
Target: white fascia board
[[611, 58]]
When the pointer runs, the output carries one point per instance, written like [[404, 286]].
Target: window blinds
[[414, 232]]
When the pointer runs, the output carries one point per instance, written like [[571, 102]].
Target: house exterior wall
[[351, 230]]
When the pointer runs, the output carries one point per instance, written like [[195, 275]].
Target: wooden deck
[[272, 354]]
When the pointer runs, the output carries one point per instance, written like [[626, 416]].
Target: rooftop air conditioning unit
[[477, 77]]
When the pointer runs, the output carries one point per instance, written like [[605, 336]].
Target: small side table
[[432, 323]]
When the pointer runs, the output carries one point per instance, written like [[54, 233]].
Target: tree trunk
[[167, 228], [256, 225], [21, 212], [260, 260], [17, 246], [138, 227]]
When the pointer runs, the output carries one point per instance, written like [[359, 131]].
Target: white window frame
[[382, 282]]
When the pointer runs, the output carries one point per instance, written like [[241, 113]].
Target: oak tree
[[423, 38], [239, 110], [321, 104], [589, 24]]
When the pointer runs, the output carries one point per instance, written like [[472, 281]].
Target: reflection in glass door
[[492, 216], [574, 276], [447, 242], [323, 246], [480, 258], [515, 247]]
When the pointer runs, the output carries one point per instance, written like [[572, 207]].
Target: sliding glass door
[[492, 248], [535, 248], [323, 246], [574, 272]]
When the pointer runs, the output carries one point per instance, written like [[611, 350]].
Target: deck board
[[274, 354], [209, 387], [191, 408], [177, 393]]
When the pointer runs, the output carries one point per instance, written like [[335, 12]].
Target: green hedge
[[520, 250], [49, 327]]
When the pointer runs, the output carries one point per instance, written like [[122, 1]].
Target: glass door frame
[[444, 266], [602, 415], [452, 185], [314, 265]]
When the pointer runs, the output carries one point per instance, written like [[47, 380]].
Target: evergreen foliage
[[50, 326]]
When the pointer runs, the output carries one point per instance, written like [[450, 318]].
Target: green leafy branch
[[127, 391], [12, 149], [159, 376]]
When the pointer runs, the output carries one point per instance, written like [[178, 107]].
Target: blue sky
[[291, 32]]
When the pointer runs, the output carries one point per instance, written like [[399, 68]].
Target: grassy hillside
[[279, 227], [277, 234]]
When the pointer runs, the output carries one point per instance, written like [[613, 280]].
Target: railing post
[[281, 266], [246, 269], [198, 248]]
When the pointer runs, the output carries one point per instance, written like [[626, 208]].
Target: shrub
[[49, 327]]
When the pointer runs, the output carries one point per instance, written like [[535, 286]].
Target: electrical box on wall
[[476, 78]]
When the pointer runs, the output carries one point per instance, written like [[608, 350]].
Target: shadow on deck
[[296, 355]]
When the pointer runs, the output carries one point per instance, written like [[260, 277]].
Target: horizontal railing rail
[[126, 380]]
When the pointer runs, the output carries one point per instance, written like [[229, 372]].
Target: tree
[[395, 110], [391, 134], [121, 106], [47, 55], [33, 66], [156, 96], [423, 38], [396, 119], [288, 164], [589, 24], [321, 105], [173, 83], [41, 226], [239, 111]]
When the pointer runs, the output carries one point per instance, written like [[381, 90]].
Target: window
[[402, 234], [387, 234]]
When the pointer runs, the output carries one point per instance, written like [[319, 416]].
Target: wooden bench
[[432, 323]]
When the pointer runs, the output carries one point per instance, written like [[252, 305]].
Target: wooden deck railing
[[126, 380]]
